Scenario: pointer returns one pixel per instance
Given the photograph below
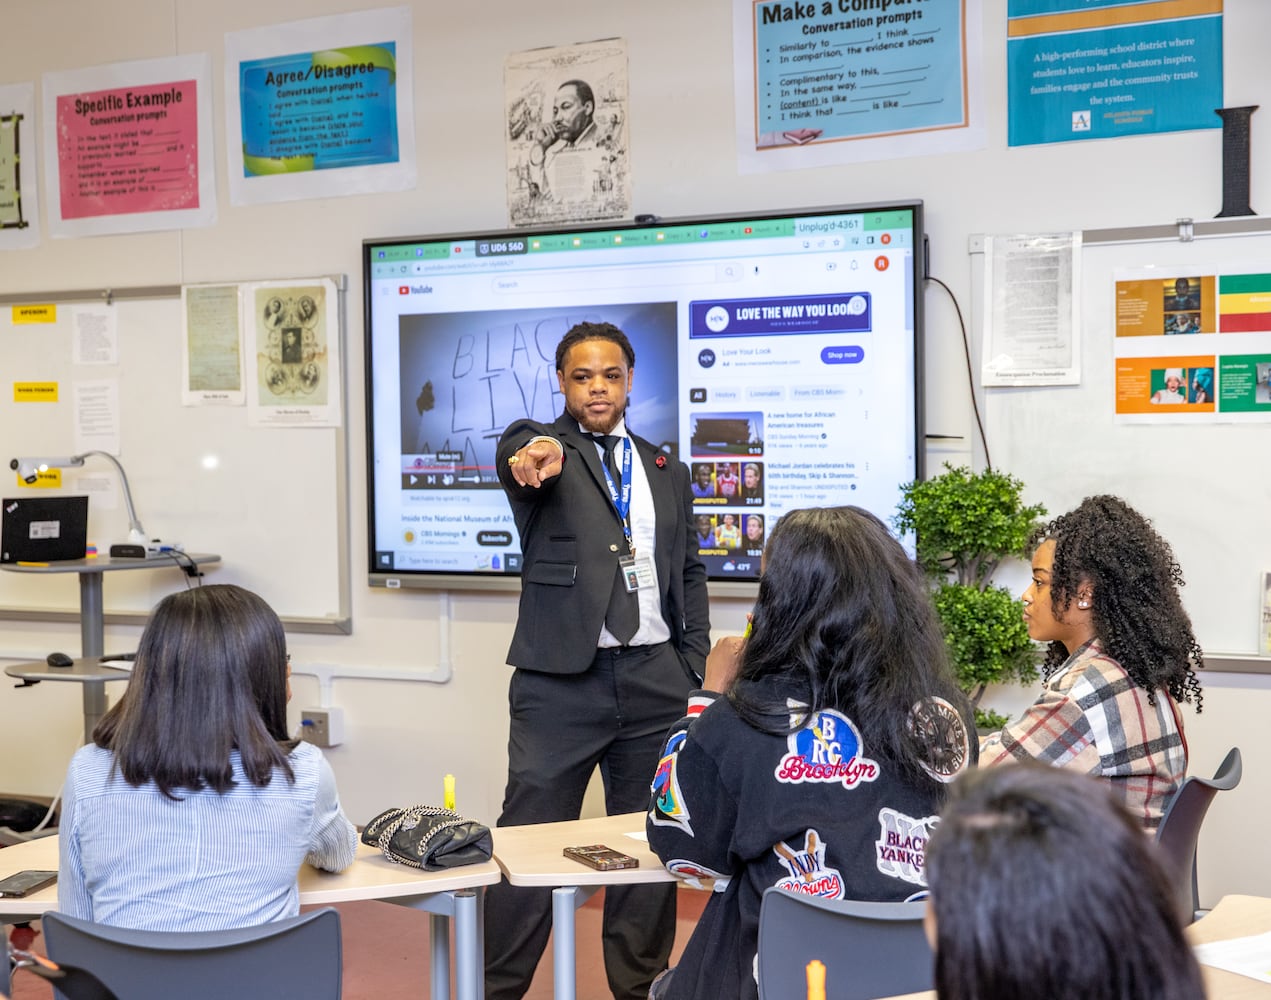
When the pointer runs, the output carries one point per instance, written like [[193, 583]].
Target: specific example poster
[[567, 134], [839, 81], [293, 352], [1092, 69], [128, 147], [1193, 347], [19, 204], [320, 108]]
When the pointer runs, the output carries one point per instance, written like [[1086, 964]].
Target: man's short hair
[[593, 331]]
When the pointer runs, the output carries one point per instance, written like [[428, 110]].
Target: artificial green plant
[[965, 525]]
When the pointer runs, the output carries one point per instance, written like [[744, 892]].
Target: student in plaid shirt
[[1104, 594]]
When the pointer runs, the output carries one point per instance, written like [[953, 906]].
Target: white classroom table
[[533, 856], [455, 894]]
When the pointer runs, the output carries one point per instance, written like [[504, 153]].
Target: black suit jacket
[[571, 538]]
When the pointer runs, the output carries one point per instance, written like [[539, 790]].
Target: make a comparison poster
[[1193, 346]]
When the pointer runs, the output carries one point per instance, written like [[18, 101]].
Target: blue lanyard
[[620, 493]]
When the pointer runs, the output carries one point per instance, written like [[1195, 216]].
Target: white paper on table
[[1245, 956]]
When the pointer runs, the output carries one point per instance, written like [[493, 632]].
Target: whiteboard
[[272, 502], [1207, 489]]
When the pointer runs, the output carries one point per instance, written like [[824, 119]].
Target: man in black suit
[[602, 669]]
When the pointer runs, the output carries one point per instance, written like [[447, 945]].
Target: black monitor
[[778, 355]]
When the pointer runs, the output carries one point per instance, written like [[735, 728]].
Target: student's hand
[[722, 663], [537, 462]]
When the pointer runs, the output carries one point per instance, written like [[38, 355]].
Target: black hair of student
[[210, 676], [1134, 581], [593, 331], [1044, 886], [844, 620]]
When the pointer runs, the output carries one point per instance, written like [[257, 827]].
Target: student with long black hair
[[1042, 885], [818, 756], [192, 809]]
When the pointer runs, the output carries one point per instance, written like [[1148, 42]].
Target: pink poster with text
[[128, 150]]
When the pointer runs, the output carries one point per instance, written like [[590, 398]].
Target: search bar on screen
[[592, 279]]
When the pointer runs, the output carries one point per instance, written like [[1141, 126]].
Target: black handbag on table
[[429, 837]]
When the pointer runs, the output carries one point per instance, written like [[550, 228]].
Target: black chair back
[[298, 957], [1179, 832], [869, 949]]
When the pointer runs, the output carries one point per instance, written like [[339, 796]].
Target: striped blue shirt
[[130, 857]]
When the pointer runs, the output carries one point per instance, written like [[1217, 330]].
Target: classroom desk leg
[[94, 707], [92, 616], [464, 907], [565, 901], [439, 964], [469, 950]]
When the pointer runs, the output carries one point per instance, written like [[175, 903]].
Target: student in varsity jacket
[[820, 752]]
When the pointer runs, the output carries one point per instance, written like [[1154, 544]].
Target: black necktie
[[610, 443], [622, 618]]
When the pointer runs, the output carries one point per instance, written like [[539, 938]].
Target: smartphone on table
[[602, 858], [21, 884]]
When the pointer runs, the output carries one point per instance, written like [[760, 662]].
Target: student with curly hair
[[818, 756], [1035, 877], [1104, 594]]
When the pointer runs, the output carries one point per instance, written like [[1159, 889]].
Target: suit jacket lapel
[[570, 436]]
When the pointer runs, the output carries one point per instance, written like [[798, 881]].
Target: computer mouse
[[59, 660]]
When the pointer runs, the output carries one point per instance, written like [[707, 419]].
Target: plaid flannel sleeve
[[1054, 730]]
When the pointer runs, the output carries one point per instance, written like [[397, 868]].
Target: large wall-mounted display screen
[[777, 355]]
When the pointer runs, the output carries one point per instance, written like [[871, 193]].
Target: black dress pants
[[615, 715]]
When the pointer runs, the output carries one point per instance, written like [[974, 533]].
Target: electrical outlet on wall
[[323, 727]]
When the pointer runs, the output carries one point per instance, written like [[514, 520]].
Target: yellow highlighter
[[448, 798], [816, 980]]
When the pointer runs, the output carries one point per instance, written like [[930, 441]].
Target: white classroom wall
[[403, 736]]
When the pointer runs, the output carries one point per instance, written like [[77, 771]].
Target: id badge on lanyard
[[637, 569]]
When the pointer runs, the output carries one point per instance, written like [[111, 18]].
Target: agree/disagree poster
[[840, 81], [320, 108], [128, 147], [1193, 346]]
